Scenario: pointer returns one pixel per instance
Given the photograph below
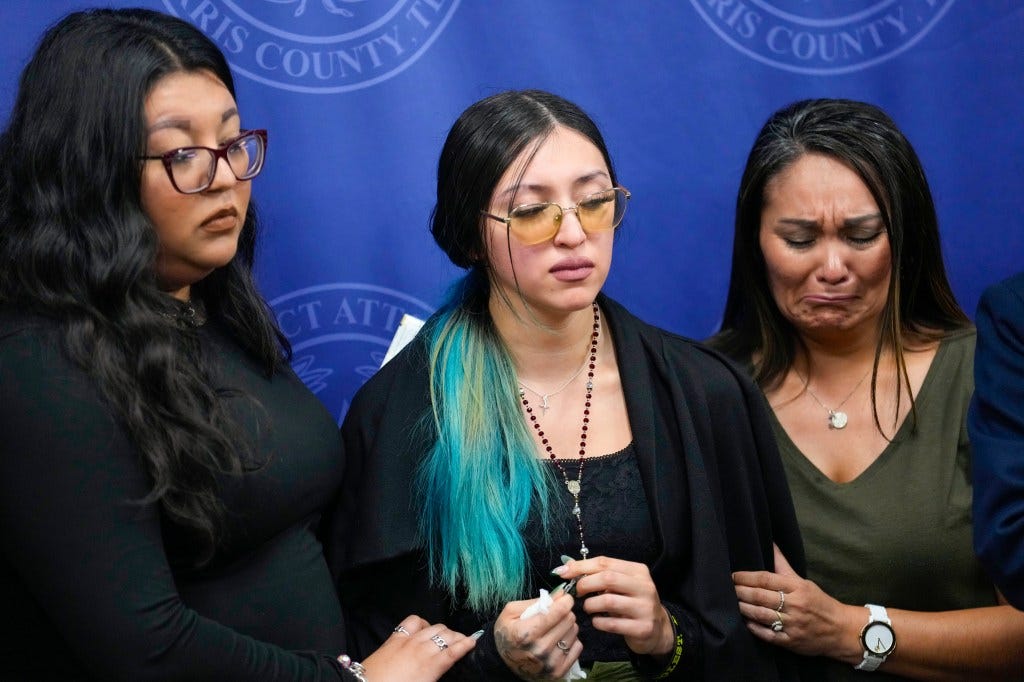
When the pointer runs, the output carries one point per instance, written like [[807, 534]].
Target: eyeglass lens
[[597, 212], [194, 168]]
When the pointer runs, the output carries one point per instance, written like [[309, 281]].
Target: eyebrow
[[185, 124], [855, 221], [582, 180]]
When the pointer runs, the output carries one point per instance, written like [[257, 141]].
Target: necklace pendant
[[544, 404], [576, 510], [837, 419], [573, 486]]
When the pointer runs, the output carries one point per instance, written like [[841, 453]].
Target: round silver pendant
[[837, 420], [573, 486]]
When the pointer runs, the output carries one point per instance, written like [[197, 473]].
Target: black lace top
[[616, 523]]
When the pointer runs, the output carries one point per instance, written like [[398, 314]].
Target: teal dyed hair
[[479, 479], [477, 483]]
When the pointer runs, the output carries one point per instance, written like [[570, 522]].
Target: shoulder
[[1004, 300], [29, 344], [1010, 288], [689, 360], [957, 347], [45, 397], [399, 386]]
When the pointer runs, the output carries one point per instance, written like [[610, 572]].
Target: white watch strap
[[871, 661], [878, 614]]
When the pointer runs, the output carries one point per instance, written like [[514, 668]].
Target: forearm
[[683, 661], [983, 643]]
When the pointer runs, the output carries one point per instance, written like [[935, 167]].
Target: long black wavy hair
[[76, 246], [920, 306]]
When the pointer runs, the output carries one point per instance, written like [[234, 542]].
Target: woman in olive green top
[[839, 301]]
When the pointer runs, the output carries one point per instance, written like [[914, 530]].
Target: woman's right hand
[[417, 651], [543, 647]]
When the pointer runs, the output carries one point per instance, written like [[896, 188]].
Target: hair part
[[76, 246], [483, 457], [920, 306]]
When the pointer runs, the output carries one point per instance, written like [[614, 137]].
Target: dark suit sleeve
[[81, 549], [996, 428]]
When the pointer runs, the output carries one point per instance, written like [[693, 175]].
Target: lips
[[224, 219], [829, 299], [572, 269]]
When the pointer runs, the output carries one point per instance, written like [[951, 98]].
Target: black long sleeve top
[[95, 586]]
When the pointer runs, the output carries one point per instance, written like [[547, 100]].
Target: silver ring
[[401, 628], [782, 601], [563, 646], [777, 626], [439, 641]]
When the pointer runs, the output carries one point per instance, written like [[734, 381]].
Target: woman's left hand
[[812, 622], [624, 601]]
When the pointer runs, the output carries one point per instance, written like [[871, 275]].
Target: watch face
[[879, 639]]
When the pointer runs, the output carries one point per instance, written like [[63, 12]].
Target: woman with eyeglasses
[[538, 436], [162, 471]]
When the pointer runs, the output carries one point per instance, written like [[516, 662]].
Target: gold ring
[[777, 623]]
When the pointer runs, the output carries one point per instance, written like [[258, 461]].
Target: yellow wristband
[[677, 652]]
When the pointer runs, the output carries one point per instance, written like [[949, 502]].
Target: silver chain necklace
[[837, 419], [544, 396]]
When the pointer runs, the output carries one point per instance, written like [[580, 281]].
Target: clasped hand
[[621, 598], [807, 620]]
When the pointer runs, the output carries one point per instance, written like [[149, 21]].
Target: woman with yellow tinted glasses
[[535, 223], [536, 436]]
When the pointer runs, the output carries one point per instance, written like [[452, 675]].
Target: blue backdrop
[[359, 94]]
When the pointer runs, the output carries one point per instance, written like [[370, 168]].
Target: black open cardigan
[[702, 439]]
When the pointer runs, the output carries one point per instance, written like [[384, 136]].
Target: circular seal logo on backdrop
[[340, 333], [821, 38], [319, 46]]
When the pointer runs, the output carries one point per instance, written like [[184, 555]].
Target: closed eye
[[864, 240], [184, 155], [528, 210]]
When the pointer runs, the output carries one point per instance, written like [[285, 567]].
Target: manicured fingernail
[[558, 590], [566, 558], [559, 570], [477, 635]]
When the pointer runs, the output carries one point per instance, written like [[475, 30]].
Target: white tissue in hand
[[543, 605]]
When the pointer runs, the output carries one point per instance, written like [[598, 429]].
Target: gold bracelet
[[677, 652]]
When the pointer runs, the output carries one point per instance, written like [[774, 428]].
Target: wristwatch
[[878, 639]]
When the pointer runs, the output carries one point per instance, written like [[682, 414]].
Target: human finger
[[763, 579], [636, 583], [774, 599], [559, 648], [409, 626], [781, 564], [579, 567]]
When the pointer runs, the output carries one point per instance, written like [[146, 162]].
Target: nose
[[833, 269], [570, 231], [223, 176]]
